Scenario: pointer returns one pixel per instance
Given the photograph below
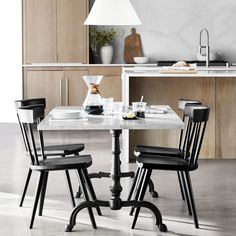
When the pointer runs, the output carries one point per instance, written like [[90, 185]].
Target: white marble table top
[[169, 120]]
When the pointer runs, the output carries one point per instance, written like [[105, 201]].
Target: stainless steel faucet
[[204, 50]]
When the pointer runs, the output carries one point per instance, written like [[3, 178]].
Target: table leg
[[162, 227], [115, 203]]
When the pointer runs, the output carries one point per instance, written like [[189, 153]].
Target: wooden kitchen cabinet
[[39, 31], [44, 83], [59, 87], [167, 91], [53, 31], [65, 86], [76, 89], [72, 34], [111, 83], [225, 118]]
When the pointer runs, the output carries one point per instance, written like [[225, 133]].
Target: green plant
[[101, 37]]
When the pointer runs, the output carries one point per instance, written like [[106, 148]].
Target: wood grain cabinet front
[[75, 87], [168, 91], [225, 118], [59, 87], [54, 31], [111, 83], [47, 84], [66, 87]]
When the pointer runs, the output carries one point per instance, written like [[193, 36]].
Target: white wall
[[10, 58], [170, 28]]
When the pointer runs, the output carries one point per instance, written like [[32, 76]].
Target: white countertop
[[84, 65], [146, 70], [201, 72]]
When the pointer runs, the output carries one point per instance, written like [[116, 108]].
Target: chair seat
[[165, 151], [62, 163], [165, 162], [65, 149]]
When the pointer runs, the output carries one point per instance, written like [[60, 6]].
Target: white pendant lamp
[[112, 12]]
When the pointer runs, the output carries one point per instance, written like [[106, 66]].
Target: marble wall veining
[[170, 29]]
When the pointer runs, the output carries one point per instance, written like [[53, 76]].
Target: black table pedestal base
[[72, 222], [115, 203], [100, 174], [108, 175]]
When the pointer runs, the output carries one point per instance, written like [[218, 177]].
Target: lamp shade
[[112, 12]]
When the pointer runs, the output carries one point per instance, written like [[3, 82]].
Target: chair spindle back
[[198, 117], [29, 116]]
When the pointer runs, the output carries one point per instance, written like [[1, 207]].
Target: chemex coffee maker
[[93, 101]]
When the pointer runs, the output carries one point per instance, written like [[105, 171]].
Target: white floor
[[214, 187]]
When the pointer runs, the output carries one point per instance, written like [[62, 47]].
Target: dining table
[[167, 120]]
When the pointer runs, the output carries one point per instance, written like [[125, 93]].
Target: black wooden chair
[[62, 150], [165, 151], [198, 117], [28, 116]]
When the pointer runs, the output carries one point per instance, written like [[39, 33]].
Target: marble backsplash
[[170, 29]]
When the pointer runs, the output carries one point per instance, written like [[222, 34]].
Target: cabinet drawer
[[105, 70]]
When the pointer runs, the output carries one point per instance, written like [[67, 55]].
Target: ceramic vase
[[106, 54]]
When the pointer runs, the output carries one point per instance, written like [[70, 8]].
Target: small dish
[[67, 114], [141, 60], [132, 118]]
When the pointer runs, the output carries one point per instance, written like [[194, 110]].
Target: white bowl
[[141, 60]]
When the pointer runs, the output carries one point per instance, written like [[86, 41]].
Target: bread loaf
[[181, 64]]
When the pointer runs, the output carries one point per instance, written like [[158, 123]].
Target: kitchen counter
[[155, 72], [85, 65], [214, 87]]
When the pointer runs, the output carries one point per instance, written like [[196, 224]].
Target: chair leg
[[152, 191], [90, 211], [186, 195], [90, 189], [70, 189], [138, 188], [137, 172], [25, 187], [36, 199], [181, 186], [43, 193], [193, 206], [79, 192], [141, 195]]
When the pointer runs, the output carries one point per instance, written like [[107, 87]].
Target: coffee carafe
[[93, 101]]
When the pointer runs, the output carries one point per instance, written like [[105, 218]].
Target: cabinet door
[[76, 89], [44, 84], [111, 83], [225, 118], [71, 31], [110, 87], [168, 91], [39, 31]]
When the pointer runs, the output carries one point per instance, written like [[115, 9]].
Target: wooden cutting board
[[133, 47]]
